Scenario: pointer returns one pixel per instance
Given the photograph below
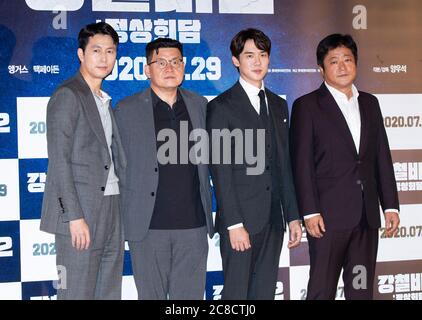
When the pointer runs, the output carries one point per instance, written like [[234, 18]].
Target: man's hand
[[295, 234], [392, 222], [79, 231], [315, 226], [239, 239]]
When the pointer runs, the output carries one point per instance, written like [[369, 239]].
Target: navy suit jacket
[[331, 177]]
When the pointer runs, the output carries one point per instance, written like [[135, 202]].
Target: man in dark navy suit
[[342, 168]]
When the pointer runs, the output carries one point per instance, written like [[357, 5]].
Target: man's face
[[168, 77], [339, 68], [97, 61], [252, 63]]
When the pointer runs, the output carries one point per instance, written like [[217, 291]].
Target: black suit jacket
[[331, 177], [241, 197]]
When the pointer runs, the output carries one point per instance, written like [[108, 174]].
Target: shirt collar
[[104, 98], [156, 99], [340, 95], [250, 89]]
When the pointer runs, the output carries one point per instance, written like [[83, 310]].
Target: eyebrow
[[252, 52], [169, 58], [99, 46], [337, 56]]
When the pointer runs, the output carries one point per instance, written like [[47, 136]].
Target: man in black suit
[[253, 208], [342, 166]]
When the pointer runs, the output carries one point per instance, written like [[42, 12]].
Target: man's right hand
[[239, 239], [315, 226], [79, 231]]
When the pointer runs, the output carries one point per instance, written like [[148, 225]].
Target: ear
[[80, 55], [235, 62], [147, 70], [321, 70]]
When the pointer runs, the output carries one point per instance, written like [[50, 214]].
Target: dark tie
[[263, 113]]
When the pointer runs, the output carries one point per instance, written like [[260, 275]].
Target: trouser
[[95, 273], [170, 264], [252, 274]]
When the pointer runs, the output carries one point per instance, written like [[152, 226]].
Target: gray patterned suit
[[79, 163]]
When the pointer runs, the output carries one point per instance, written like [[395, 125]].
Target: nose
[[103, 56], [257, 60], [168, 66]]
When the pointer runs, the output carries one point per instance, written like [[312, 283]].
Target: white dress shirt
[[252, 93], [103, 106], [350, 110]]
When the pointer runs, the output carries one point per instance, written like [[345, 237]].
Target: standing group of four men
[[107, 181]]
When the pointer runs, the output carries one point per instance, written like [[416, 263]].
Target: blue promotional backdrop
[[38, 52]]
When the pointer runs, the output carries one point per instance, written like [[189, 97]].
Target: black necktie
[[263, 113]]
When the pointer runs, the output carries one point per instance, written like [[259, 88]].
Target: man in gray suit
[[166, 206], [81, 198]]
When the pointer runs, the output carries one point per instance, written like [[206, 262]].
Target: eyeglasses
[[163, 63]]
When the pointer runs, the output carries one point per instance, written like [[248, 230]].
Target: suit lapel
[[363, 125], [193, 111], [277, 119], [146, 127], [116, 144], [91, 110], [332, 110], [245, 109]]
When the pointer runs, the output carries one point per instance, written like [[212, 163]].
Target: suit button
[[102, 188], [358, 182], [267, 188], [359, 162], [152, 193], [106, 167], [155, 169], [267, 167]]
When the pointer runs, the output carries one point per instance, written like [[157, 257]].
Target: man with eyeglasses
[[166, 205]]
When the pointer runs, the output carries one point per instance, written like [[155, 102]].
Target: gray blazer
[[78, 158], [135, 118]]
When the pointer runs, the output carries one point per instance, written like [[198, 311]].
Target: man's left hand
[[392, 222], [295, 234]]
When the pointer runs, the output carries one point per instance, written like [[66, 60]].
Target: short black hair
[[334, 41], [260, 39], [161, 43], [92, 29]]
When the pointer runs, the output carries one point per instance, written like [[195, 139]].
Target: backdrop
[[38, 52]]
